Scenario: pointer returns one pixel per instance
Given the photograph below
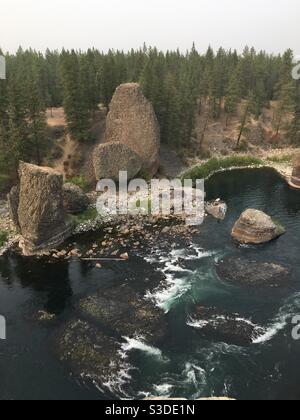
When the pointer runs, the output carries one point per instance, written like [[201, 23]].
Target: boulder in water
[[41, 214], [217, 325], [217, 209], [255, 227], [121, 310], [111, 158], [88, 352], [245, 272], [132, 121]]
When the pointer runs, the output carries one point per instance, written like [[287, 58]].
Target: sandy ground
[[56, 117]]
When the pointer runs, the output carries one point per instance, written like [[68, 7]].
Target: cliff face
[[132, 121], [41, 215]]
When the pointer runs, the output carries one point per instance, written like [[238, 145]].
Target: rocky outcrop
[[41, 214], [295, 179], [13, 203], [245, 272], [217, 325], [74, 199], [111, 158], [255, 227], [132, 121], [120, 310], [217, 209]]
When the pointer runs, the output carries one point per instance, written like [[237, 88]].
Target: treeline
[[175, 82]]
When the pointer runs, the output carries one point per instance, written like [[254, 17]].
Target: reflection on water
[[175, 278]]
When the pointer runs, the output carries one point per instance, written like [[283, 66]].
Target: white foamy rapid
[[281, 321], [139, 343], [177, 278]]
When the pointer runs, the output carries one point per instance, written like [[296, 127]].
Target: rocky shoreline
[[126, 224]]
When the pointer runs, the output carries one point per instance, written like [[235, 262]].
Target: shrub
[[3, 238], [89, 214], [80, 181], [214, 165]]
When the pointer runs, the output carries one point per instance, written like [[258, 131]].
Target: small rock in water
[[217, 209], [98, 265], [46, 316], [245, 272], [124, 256]]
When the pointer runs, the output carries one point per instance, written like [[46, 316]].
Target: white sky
[[272, 25]]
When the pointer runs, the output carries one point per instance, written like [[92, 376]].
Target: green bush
[[89, 214], [80, 181], [214, 165], [3, 238]]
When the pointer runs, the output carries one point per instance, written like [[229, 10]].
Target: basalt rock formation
[[111, 158], [255, 227], [245, 272], [295, 180], [132, 121], [41, 214]]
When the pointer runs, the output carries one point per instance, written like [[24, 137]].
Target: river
[[184, 365]]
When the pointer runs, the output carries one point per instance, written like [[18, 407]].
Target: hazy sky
[[272, 25]]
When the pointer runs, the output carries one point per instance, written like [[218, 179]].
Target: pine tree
[[76, 103], [232, 97]]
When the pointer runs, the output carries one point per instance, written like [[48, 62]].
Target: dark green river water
[[185, 365]]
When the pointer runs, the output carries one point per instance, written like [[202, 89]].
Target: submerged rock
[[41, 214], [121, 310], [111, 158], [242, 271], [213, 324], [255, 227], [74, 199], [132, 121], [88, 352]]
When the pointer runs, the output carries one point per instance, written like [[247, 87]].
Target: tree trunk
[[244, 121]]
